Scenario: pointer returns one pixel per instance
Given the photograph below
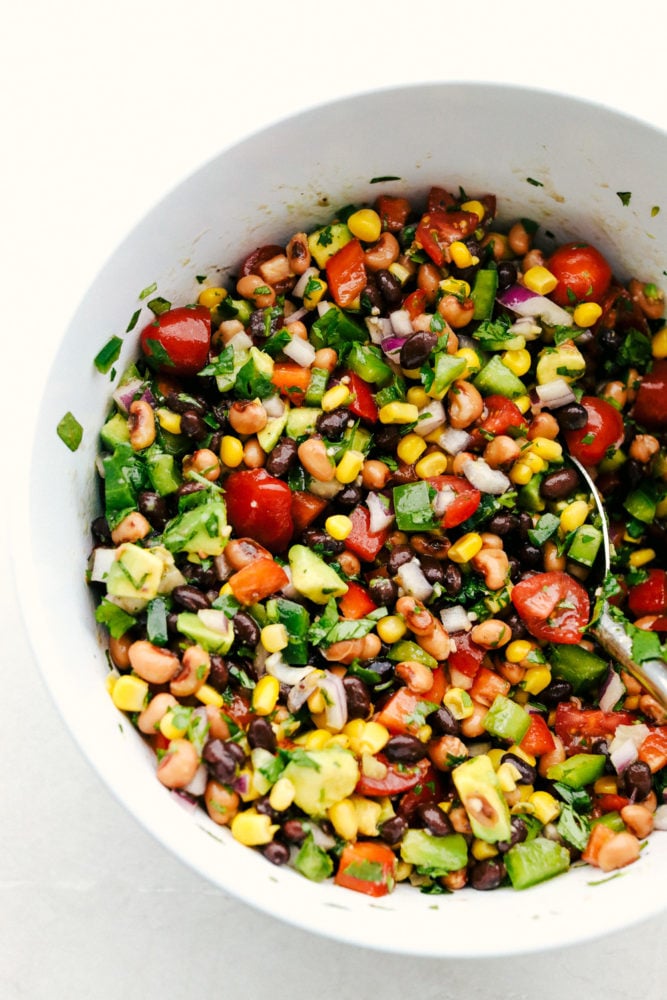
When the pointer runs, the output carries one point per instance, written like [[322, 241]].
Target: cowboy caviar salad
[[347, 571]]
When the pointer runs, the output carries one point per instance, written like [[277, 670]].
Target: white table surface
[[104, 109]]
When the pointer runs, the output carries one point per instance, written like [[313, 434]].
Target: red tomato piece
[[438, 229], [305, 508], [398, 779], [487, 685], [553, 607], [538, 738], [404, 711], [610, 803], [357, 603], [393, 211], [465, 503], [467, 657], [576, 725], [429, 789], [363, 405], [583, 274], [653, 751], [415, 303], [502, 417], [237, 709], [178, 341], [362, 541], [603, 430], [257, 580], [259, 506], [650, 596], [368, 867], [650, 408], [346, 273]]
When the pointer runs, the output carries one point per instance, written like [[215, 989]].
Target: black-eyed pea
[[554, 562], [519, 239], [354, 649], [133, 527], [119, 651], [534, 258], [445, 749], [247, 416], [491, 541], [195, 668], [416, 676], [502, 451], [456, 312], [644, 447], [473, 726], [141, 423], [205, 463], [179, 764], [222, 804], [315, 459], [465, 404], [149, 720], [254, 456], [543, 425], [416, 616], [349, 563], [152, 663], [383, 253], [638, 819], [493, 564], [218, 728], [649, 706], [436, 642], [298, 253], [491, 634], [255, 288], [460, 460], [326, 358]]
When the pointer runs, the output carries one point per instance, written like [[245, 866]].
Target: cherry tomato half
[[178, 341], [553, 607], [438, 229], [650, 596], [259, 506], [651, 402], [464, 504], [603, 429], [583, 274]]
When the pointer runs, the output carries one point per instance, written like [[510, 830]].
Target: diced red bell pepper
[[503, 417], [582, 725], [487, 685], [363, 404], [305, 508], [346, 274], [650, 596], [357, 603], [467, 657], [438, 229], [538, 738], [291, 380], [653, 751], [368, 867], [362, 541], [237, 708], [609, 803]]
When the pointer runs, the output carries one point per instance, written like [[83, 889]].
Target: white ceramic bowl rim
[[484, 136]]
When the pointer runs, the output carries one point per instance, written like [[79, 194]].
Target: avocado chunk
[[312, 861], [135, 572], [312, 577], [321, 778], [482, 798], [437, 855], [209, 628], [200, 530], [269, 435], [116, 431], [325, 242]]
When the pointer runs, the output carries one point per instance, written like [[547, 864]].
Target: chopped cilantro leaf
[[105, 358], [531, 180], [133, 321], [624, 196], [158, 305], [386, 177]]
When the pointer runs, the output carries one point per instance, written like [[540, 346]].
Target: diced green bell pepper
[[496, 379], [367, 362], [447, 369], [535, 861], [404, 649], [412, 507], [333, 328], [506, 720], [483, 292], [296, 620], [319, 378], [578, 771], [641, 506], [576, 665]]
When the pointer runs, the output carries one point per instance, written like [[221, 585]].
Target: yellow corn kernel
[[353, 729], [170, 729], [340, 739], [507, 776], [521, 697], [536, 679], [518, 650], [641, 557], [400, 272], [282, 794], [265, 693], [474, 206], [207, 695], [129, 693], [343, 817], [369, 812], [374, 737], [417, 395], [433, 464], [546, 449], [518, 361], [521, 473], [606, 785], [252, 828], [533, 461], [573, 516], [661, 508], [402, 871], [338, 526], [211, 297], [522, 403], [410, 447], [539, 279], [337, 395], [350, 466], [522, 793], [274, 637], [545, 806], [365, 224], [168, 420], [471, 358], [480, 850], [424, 733], [518, 752], [659, 344], [466, 547], [460, 254], [631, 704], [587, 313], [398, 413], [316, 739], [459, 703], [316, 702], [391, 629], [316, 289], [231, 451], [455, 286], [496, 756]]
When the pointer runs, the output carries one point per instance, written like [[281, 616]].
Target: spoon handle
[[613, 638]]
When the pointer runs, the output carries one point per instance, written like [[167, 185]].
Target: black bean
[[503, 523], [404, 749], [403, 474], [294, 831], [444, 723], [572, 417], [357, 698], [435, 820], [531, 557], [560, 484], [383, 591], [392, 830], [452, 580], [514, 621], [527, 773], [181, 402], [370, 297], [349, 497], [430, 545], [261, 734], [193, 426], [633, 473], [222, 760], [316, 538], [265, 322], [610, 341], [386, 437], [432, 569], [507, 274], [332, 425], [282, 457], [487, 874], [276, 852], [246, 629], [389, 287], [400, 554], [219, 675], [416, 350], [154, 508], [636, 780], [200, 576], [190, 598], [556, 691], [100, 529], [186, 489], [514, 568], [519, 832], [385, 669], [525, 525]]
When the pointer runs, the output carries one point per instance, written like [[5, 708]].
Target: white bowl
[[485, 138]]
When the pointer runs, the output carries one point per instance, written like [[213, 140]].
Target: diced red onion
[[452, 440], [125, 394], [443, 498], [430, 418], [381, 513], [102, 562], [660, 818], [302, 690], [624, 755], [611, 691], [197, 786], [301, 284], [555, 394], [411, 578], [335, 701], [240, 341], [379, 328], [184, 799], [296, 315], [526, 303], [215, 619], [625, 744], [241, 783], [283, 672], [480, 475], [301, 351], [455, 619], [401, 323], [392, 346], [289, 590]]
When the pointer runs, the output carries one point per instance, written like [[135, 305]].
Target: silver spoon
[[609, 632]]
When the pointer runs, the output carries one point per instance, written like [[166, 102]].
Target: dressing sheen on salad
[[348, 574]]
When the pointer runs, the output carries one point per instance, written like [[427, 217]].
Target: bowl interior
[[554, 159]]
